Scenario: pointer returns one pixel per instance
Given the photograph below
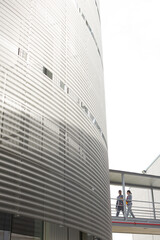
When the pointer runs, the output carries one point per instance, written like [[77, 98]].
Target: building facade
[[54, 179]]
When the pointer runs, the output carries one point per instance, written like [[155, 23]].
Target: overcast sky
[[131, 49]]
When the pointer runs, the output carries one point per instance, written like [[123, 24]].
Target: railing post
[[124, 195], [153, 205]]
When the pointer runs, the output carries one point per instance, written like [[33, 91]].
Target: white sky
[[131, 49]]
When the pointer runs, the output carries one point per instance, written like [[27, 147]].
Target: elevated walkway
[[147, 220], [135, 226]]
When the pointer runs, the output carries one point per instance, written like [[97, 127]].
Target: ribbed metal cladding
[[53, 163]]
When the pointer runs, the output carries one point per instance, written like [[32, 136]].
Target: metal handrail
[[140, 208]]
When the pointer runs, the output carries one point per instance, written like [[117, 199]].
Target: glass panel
[[4, 235], [5, 221], [15, 236], [85, 236], [90, 237], [5, 226], [24, 228], [47, 73], [74, 234], [54, 232]]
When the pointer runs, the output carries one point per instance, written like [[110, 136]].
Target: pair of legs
[[119, 208], [129, 210]]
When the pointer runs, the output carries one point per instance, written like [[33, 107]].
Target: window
[[22, 54], [64, 87], [84, 107], [47, 73], [91, 117], [26, 228], [98, 127], [5, 226], [97, 10], [83, 16], [53, 231]]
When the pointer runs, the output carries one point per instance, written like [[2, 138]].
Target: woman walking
[[129, 203], [119, 203]]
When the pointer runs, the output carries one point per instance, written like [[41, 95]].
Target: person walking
[[129, 203], [119, 203]]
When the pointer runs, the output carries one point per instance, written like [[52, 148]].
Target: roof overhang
[[134, 179]]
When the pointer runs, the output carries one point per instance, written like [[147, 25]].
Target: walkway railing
[[141, 209], [146, 190]]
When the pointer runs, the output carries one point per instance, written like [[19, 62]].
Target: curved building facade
[[54, 181]]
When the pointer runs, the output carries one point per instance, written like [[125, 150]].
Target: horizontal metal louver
[[53, 152]]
